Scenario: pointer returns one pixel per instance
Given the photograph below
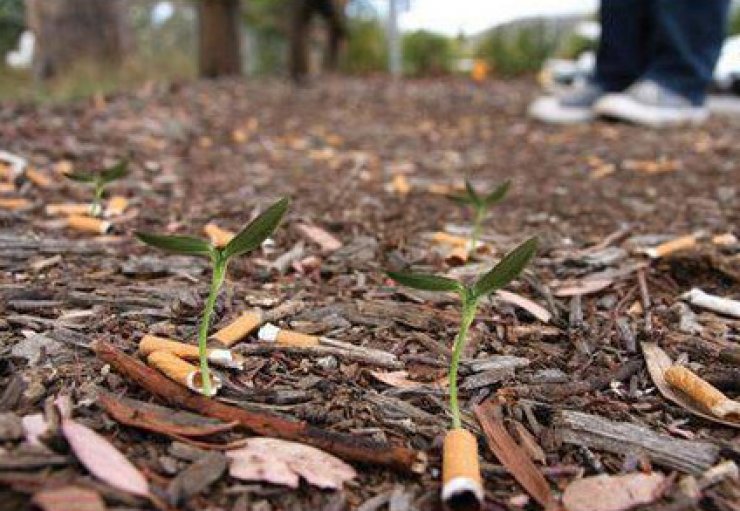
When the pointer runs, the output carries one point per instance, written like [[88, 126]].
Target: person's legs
[[687, 40], [624, 47]]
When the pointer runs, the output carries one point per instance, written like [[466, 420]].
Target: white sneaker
[[649, 104], [574, 106]]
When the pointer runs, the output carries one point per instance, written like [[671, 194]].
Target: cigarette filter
[[462, 487], [38, 178], [88, 224], [457, 256], [701, 391], [116, 206], [14, 203], [224, 358], [219, 237], [443, 238], [271, 333], [7, 187], [400, 184], [239, 329], [669, 247], [68, 208], [176, 369]]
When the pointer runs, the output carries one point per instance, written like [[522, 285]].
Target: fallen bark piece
[[462, 486], [658, 362], [11, 427], [690, 456], [223, 358], [116, 206], [176, 369], [88, 224], [701, 391], [196, 478], [717, 304], [613, 493], [674, 245], [69, 497], [326, 241], [280, 462], [528, 305], [349, 447], [514, 458], [239, 329], [103, 460], [400, 380], [67, 208], [219, 237]]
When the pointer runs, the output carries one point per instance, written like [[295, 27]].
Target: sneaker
[[573, 106], [650, 104]]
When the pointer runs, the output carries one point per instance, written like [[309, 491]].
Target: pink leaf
[[103, 460], [69, 497], [613, 493], [528, 305], [326, 241]]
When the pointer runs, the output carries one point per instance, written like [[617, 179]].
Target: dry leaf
[[103, 460], [528, 305], [613, 493], [657, 362], [514, 458], [582, 287], [326, 241], [69, 497], [280, 462], [400, 380]]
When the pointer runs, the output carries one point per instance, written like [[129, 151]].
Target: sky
[[472, 16]]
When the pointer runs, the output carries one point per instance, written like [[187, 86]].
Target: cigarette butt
[[88, 224], [443, 238], [400, 184], [116, 206], [67, 208], [669, 247], [14, 204], [457, 256], [7, 187], [64, 167], [184, 373], [271, 333], [239, 329], [219, 237], [461, 479], [38, 178], [701, 391], [151, 343], [725, 240]]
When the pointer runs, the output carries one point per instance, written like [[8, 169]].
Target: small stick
[[462, 485], [701, 391], [176, 369], [645, 297], [674, 245], [88, 224], [219, 237], [345, 446], [151, 343]]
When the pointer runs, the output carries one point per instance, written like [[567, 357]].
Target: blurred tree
[[303, 12], [520, 47], [367, 50], [219, 37], [734, 22], [427, 53], [72, 31], [11, 24]]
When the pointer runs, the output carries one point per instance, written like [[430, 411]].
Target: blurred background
[[76, 48]]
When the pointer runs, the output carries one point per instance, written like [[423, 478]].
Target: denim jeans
[[675, 43]]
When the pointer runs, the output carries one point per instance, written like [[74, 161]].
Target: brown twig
[[345, 446]]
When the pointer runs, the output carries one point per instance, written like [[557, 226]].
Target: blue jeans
[[675, 43]]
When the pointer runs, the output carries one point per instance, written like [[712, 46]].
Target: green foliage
[[573, 45], [517, 49], [480, 204], [734, 28], [366, 50], [426, 53], [504, 272], [12, 24], [246, 240], [99, 180]]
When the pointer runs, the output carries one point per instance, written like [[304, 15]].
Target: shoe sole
[[549, 111], [624, 108]]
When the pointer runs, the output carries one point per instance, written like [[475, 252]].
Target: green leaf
[[461, 199], [113, 173], [258, 230], [498, 194], [81, 177], [426, 282], [475, 199], [179, 244], [507, 269]]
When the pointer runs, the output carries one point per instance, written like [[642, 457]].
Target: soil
[[223, 150]]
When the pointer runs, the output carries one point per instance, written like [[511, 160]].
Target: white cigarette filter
[[219, 237], [88, 224], [116, 206], [271, 333], [239, 328], [182, 372], [224, 358], [67, 208], [462, 486], [718, 304]]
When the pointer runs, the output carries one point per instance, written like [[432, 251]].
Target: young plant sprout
[[480, 205], [99, 180], [462, 487], [245, 241]]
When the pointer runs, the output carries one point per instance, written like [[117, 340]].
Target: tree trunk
[[219, 37], [303, 12], [70, 31]]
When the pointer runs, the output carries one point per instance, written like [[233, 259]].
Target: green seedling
[[480, 205], [99, 180], [504, 272], [245, 241]]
